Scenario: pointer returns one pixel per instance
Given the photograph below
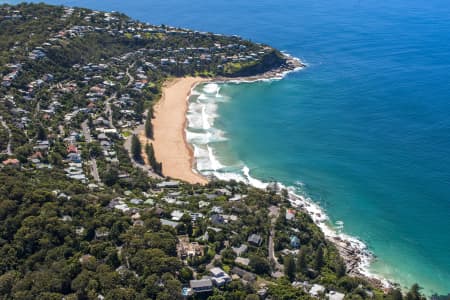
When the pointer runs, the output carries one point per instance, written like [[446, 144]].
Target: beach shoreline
[[170, 144], [170, 120]]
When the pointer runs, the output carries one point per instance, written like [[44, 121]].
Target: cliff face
[[271, 61]]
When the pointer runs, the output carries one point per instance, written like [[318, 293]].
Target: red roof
[[11, 161], [37, 154], [72, 149]]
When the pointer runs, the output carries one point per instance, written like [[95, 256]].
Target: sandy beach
[[171, 147]]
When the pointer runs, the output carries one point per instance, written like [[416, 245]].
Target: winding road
[[130, 77], [274, 212], [108, 109], [92, 161], [8, 147]]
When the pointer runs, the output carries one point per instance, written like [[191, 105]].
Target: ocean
[[363, 130]]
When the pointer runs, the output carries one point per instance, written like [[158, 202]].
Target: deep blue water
[[365, 127]]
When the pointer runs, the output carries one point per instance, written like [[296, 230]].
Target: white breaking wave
[[218, 93], [203, 97], [205, 138], [211, 88], [205, 121], [253, 181]]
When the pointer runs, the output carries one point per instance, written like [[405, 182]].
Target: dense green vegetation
[[51, 244]]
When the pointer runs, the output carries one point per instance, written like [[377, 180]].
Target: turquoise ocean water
[[364, 130]]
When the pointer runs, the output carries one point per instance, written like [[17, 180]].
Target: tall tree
[[319, 262], [395, 294], [259, 265], [302, 264], [156, 166], [149, 151], [110, 177], [414, 293], [150, 113], [136, 148], [289, 267], [41, 133], [139, 108], [149, 128], [340, 269]]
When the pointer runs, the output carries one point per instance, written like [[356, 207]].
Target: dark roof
[[255, 239], [169, 223], [202, 283], [243, 274], [217, 219]]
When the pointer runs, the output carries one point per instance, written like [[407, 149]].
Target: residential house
[[176, 215], [185, 248], [138, 223], [219, 277], [85, 258], [236, 197], [196, 216], [201, 286], [255, 240], [333, 295], [240, 250], [243, 274], [79, 230], [136, 201], [242, 261], [74, 157], [217, 210], [72, 149], [11, 162], [295, 242], [169, 223], [101, 233], [223, 192], [202, 204], [316, 289], [217, 219], [290, 214], [42, 145], [168, 184]]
